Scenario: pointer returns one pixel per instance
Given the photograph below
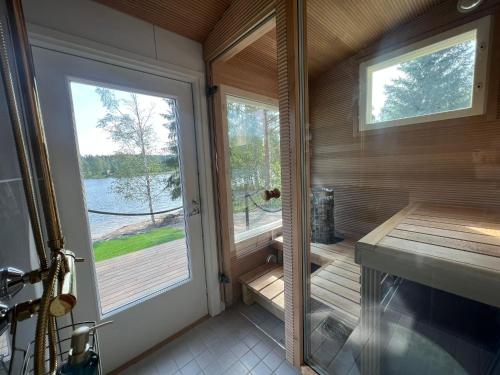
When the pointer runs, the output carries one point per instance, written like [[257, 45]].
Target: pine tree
[[434, 83], [173, 182]]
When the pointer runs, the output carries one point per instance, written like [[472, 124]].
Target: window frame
[[257, 238], [422, 48]]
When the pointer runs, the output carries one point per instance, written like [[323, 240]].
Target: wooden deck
[[127, 278], [336, 283]]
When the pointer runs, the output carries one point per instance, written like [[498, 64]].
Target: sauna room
[[276, 187], [404, 127]]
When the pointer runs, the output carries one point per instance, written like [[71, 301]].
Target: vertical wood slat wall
[[286, 130], [241, 16], [375, 174]]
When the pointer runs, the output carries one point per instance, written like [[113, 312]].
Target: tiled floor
[[227, 344], [265, 321]]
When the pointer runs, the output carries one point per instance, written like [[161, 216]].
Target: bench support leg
[[248, 297]]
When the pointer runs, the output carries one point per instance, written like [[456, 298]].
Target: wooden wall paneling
[[376, 173], [240, 18], [190, 18], [248, 42], [245, 76], [253, 68], [289, 70], [241, 264], [225, 224]]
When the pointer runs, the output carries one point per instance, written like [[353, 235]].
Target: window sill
[[257, 239]]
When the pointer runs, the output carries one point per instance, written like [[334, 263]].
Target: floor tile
[[261, 369], [213, 369], [286, 369], [262, 349], [205, 359], [227, 344], [237, 369], [192, 368], [240, 349], [272, 360], [250, 360], [226, 360]]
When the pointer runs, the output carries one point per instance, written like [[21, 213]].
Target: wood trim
[[158, 346], [292, 170], [222, 196], [238, 20], [229, 247], [262, 30]]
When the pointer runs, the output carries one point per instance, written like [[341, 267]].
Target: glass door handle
[[194, 209]]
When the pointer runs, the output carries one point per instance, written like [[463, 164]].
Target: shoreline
[[162, 220]]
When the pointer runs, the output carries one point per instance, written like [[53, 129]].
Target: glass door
[[404, 243], [123, 149]]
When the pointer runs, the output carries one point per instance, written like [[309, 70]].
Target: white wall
[[98, 23]]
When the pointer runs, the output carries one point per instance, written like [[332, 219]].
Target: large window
[[254, 159], [438, 78]]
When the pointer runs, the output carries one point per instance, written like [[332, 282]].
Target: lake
[[100, 196]]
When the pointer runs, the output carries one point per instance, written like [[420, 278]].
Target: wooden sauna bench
[[452, 248], [336, 283]]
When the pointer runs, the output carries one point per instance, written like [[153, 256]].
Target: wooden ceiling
[[337, 29], [190, 18]]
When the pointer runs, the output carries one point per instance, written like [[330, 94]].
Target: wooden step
[[266, 286], [337, 283]]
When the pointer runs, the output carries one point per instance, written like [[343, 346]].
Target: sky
[[88, 110]]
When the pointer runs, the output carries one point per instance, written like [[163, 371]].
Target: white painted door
[[122, 147]]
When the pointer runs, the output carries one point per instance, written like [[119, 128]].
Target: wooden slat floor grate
[[128, 278]]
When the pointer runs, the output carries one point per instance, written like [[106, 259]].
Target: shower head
[[466, 6]]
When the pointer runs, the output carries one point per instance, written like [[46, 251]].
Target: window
[[254, 160], [439, 78], [130, 165]]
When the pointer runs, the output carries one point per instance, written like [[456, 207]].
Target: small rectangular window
[[442, 77]]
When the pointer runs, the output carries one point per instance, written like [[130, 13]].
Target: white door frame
[[69, 44]]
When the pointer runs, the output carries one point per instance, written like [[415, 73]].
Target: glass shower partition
[[403, 266]]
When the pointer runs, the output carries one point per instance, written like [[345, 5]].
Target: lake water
[[100, 196]]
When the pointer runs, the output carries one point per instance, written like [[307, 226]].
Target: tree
[[129, 123], [173, 182], [253, 134], [438, 82]]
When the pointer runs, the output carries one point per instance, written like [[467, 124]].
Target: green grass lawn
[[113, 248]]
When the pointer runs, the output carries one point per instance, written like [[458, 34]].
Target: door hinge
[[211, 90], [224, 279]]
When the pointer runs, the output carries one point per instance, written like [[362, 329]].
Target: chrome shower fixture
[[11, 282]]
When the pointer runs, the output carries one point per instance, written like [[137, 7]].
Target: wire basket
[[63, 341]]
